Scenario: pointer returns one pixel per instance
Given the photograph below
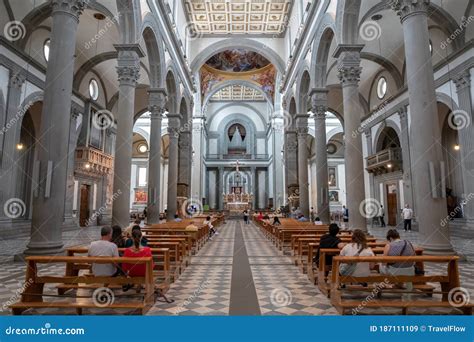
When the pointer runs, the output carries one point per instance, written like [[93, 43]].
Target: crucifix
[[237, 164]]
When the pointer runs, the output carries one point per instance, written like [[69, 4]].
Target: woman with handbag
[[357, 247], [398, 247]]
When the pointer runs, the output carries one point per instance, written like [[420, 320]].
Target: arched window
[[46, 44], [94, 89], [381, 87]]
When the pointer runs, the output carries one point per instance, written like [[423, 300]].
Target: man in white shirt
[[407, 215], [104, 247]]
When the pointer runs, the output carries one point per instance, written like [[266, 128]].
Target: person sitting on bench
[[276, 221], [104, 247], [117, 236], [143, 241], [317, 221], [136, 251], [329, 240], [208, 223], [358, 247], [398, 247]]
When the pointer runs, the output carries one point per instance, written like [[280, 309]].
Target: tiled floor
[[205, 287]]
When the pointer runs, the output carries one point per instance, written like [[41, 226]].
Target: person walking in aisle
[[382, 216], [407, 215]]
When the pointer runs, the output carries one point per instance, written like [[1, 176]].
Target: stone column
[[184, 164], [464, 119], [349, 74], [198, 162], [69, 199], [319, 109], [48, 203], [405, 144], [11, 137], [220, 187], [173, 150], [156, 106], [291, 156], [278, 164], [128, 73], [368, 141], [254, 173], [426, 152], [302, 131]]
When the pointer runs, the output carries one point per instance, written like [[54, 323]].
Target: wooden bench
[[323, 272], [33, 294], [448, 279], [161, 267]]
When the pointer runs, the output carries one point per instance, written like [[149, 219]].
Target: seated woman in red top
[[136, 251]]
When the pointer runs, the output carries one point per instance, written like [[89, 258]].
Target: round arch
[[155, 51], [230, 83], [232, 43], [321, 46]]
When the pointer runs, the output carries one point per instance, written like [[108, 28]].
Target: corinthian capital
[[70, 7], [348, 64], [405, 8], [157, 102], [319, 102], [128, 74]]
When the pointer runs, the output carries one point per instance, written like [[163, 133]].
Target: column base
[[46, 248], [435, 249]]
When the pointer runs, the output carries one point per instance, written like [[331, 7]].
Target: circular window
[[93, 89], [331, 148], [381, 87], [142, 148], [46, 49]]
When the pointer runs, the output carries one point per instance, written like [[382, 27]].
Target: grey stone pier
[[319, 109], [173, 150], [128, 73], [463, 117], [48, 202], [349, 70], [302, 131], [156, 105], [425, 132]]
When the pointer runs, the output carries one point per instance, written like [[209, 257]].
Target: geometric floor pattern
[[204, 288]]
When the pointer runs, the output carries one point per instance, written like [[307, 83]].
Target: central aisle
[[240, 272]]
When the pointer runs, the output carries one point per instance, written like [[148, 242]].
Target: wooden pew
[[33, 294], [448, 278], [323, 277], [161, 269]]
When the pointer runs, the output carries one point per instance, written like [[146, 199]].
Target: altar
[[237, 202]]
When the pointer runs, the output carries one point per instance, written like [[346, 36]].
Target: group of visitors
[[135, 244], [359, 247]]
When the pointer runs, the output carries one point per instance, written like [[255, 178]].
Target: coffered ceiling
[[222, 17]]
